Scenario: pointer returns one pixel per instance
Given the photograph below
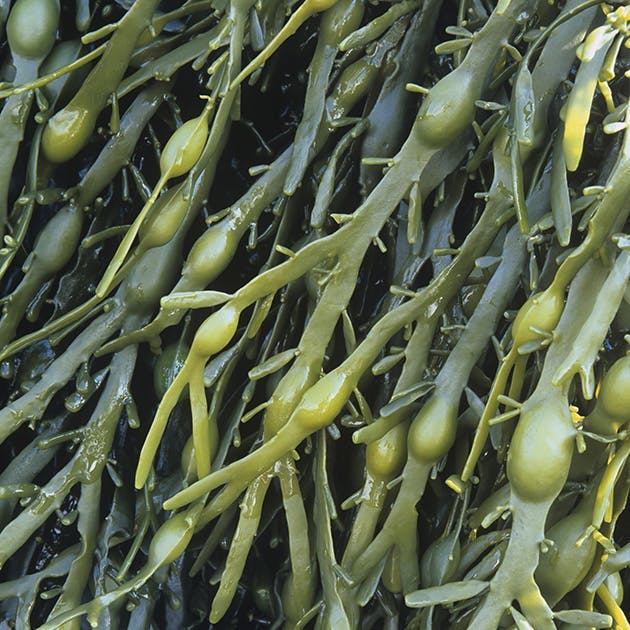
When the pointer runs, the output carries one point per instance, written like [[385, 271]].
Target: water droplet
[[74, 402], [51, 593], [174, 602], [69, 518], [84, 382], [6, 370], [133, 418], [92, 618]]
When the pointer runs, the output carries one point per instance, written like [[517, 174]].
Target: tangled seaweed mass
[[315, 314]]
